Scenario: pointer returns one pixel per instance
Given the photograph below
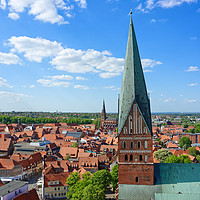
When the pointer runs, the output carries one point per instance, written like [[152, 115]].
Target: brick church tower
[[134, 126], [103, 114]]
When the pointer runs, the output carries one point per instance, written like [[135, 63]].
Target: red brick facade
[[135, 151]]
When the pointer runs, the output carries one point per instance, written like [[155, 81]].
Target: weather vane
[[131, 12]]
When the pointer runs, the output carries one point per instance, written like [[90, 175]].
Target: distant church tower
[[103, 114], [134, 125]]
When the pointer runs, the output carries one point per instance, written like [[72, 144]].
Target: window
[[125, 131], [131, 157], [139, 144], [131, 145], [145, 144], [55, 194], [136, 179], [145, 158], [145, 130], [140, 125], [126, 158], [124, 144], [55, 188], [135, 119], [130, 125], [140, 158]]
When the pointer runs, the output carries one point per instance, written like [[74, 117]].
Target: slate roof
[[133, 84], [30, 195], [11, 186]]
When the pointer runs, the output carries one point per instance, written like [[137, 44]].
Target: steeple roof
[[104, 108], [133, 87]]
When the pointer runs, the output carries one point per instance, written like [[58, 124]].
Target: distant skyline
[[69, 55]]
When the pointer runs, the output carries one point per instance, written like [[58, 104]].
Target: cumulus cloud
[[193, 84], [52, 83], [82, 3], [148, 64], [61, 77], [34, 49], [79, 61], [3, 4], [13, 16], [42, 10], [112, 87], [190, 100], [83, 87], [192, 69], [3, 83], [80, 78], [9, 58], [170, 99], [11, 96], [151, 4]]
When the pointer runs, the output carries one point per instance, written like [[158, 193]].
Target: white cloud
[[34, 49], [13, 16], [151, 4], [52, 83], [148, 63], [173, 3], [112, 88], [83, 87], [193, 84], [11, 96], [3, 4], [192, 69], [78, 61], [42, 10], [9, 58], [158, 20], [170, 99], [82, 3], [61, 77], [3, 83], [190, 100], [32, 86], [80, 78]]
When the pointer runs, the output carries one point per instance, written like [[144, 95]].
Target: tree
[[184, 159], [162, 155], [197, 128], [114, 179], [191, 130], [172, 159], [193, 151], [185, 142], [180, 159], [198, 158], [75, 144], [73, 179]]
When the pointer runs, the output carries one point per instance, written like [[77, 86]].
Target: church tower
[[103, 114], [134, 125]]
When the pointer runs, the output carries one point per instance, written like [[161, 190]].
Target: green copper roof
[[133, 84]]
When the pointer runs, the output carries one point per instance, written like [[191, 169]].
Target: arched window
[[130, 125], [124, 144], [145, 144], [131, 145], [140, 158], [126, 158], [136, 179], [131, 157], [138, 144]]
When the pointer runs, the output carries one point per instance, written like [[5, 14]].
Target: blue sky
[[68, 55]]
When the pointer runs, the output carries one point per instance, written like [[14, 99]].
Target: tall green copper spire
[[133, 87]]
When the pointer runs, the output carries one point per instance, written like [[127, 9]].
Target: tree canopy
[[91, 187], [193, 151], [114, 175], [162, 155], [185, 142], [180, 159]]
